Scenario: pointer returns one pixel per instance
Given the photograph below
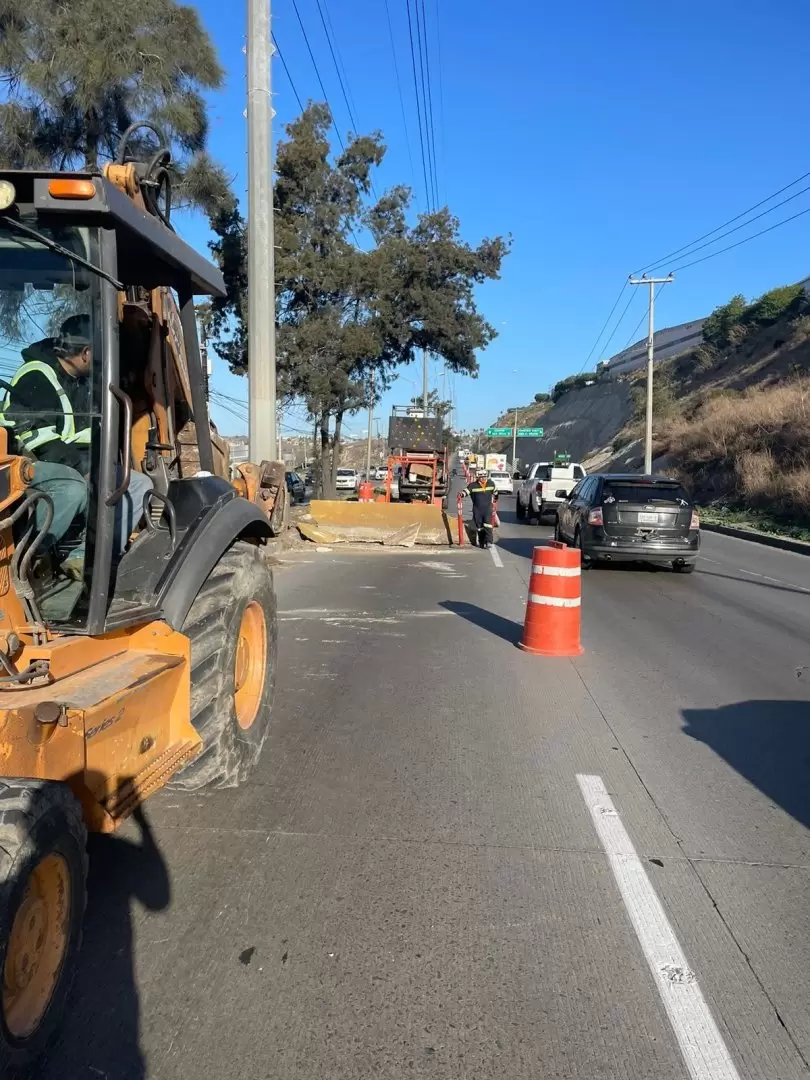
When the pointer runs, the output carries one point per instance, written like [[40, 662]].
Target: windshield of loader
[[49, 402]]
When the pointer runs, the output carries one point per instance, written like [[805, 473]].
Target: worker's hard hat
[[482, 472]]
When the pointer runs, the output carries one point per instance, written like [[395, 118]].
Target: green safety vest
[[34, 438]]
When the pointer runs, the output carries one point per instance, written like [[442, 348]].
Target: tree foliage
[[541, 398], [716, 327], [76, 75], [348, 308], [572, 382], [730, 323], [769, 307]]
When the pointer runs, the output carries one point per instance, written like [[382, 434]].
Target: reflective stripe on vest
[[36, 437]]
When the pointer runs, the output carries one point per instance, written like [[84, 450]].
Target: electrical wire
[[742, 225], [340, 58], [287, 72], [756, 206], [441, 81], [318, 74], [604, 327], [337, 67], [643, 316], [421, 44], [430, 106], [399, 91], [618, 324], [418, 108], [745, 240]]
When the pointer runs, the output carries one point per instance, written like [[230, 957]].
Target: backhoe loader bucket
[[391, 524]]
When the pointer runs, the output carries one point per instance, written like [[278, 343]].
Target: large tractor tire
[[43, 889], [233, 631]]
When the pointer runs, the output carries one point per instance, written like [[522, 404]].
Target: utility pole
[[261, 269], [370, 424], [514, 442], [652, 282], [425, 381]]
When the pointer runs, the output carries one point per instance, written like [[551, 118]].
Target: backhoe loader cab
[[137, 616]]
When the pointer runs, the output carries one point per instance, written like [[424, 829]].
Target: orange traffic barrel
[[365, 493], [552, 623]]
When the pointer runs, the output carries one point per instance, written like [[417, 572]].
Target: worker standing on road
[[484, 495]]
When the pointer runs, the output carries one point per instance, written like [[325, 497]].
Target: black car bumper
[[612, 549]]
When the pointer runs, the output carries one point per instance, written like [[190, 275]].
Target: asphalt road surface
[[457, 860]]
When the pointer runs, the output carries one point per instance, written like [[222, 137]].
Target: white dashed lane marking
[[496, 556], [762, 577], [704, 1051]]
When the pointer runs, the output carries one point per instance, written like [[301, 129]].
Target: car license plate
[[647, 519]]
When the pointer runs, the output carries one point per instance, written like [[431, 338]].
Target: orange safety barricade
[[552, 625], [365, 493]]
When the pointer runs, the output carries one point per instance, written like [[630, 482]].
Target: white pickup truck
[[537, 494]]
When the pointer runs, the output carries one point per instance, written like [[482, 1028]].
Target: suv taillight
[[538, 488], [595, 516], [695, 522]]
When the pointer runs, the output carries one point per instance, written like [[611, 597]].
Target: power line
[[604, 327], [318, 74], [418, 109], [399, 91], [441, 81], [616, 327], [337, 67], [421, 44], [742, 225], [641, 320], [756, 206], [430, 105], [340, 58], [287, 72], [745, 240]]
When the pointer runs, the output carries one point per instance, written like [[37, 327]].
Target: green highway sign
[[530, 432], [499, 432]]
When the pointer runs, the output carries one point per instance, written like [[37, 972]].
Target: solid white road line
[[702, 1046], [496, 557]]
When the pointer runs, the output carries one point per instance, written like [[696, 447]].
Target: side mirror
[[518, 476], [561, 494]]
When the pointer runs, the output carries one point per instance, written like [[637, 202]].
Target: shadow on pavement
[[767, 742], [745, 579], [100, 1034], [524, 546], [487, 620]]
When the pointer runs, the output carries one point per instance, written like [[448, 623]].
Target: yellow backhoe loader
[[137, 615]]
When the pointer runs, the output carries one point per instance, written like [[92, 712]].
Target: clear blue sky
[[600, 134]]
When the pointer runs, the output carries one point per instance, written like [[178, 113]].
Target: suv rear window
[[644, 493]]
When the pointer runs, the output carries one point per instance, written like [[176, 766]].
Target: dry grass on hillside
[[752, 446]]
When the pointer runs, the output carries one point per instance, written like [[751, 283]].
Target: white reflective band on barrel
[[554, 601], [557, 571]]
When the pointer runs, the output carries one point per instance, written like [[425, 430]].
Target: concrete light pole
[[261, 268], [644, 280]]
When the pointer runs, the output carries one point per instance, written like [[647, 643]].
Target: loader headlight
[[7, 194]]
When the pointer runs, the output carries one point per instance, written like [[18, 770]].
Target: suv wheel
[[585, 562]]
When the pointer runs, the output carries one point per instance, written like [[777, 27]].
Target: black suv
[[626, 517]]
